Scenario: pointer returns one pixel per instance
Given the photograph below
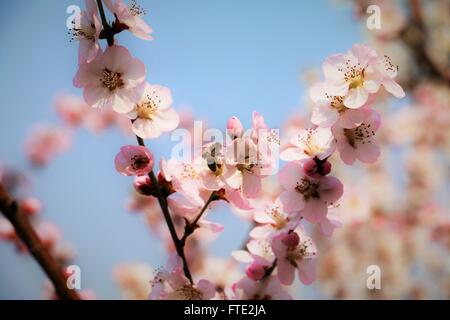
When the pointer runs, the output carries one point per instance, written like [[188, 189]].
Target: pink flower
[[184, 178], [45, 142], [307, 195], [131, 17], [353, 75], [268, 288], [244, 162], [234, 128], [310, 143], [273, 220], [294, 251], [134, 161], [359, 143], [171, 284], [389, 72], [329, 110], [112, 79], [87, 29], [258, 250], [153, 114]]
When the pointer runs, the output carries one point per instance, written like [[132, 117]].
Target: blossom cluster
[[292, 209], [234, 170]]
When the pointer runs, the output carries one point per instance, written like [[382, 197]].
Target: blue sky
[[221, 58]]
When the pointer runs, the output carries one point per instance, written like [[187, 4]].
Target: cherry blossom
[[273, 220], [244, 160], [130, 15], [307, 195], [359, 143], [171, 284], [235, 128], [329, 110], [310, 143], [353, 75], [112, 79], [86, 29], [152, 114], [294, 251], [134, 161], [268, 288]]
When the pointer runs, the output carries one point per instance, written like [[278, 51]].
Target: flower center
[[353, 74], [139, 161], [362, 134], [308, 189], [300, 252], [188, 292], [147, 109], [336, 102], [83, 31], [357, 81], [279, 220], [111, 80]]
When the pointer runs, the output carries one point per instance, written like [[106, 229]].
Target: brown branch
[[26, 233], [192, 226]]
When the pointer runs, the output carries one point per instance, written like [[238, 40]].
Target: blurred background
[[225, 58]]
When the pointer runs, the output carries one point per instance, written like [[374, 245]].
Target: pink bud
[[30, 206], [144, 186], [326, 168], [134, 161], [255, 271], [234, 128], [291, 239]]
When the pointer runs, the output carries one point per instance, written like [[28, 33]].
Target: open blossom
[[268, 288], [171, 284], [215, 171], [353, 75], [112, 79], [153, 114], [389, 72], [86, 30], [307, 195], [134, 161], [359, 73], [244, 162], [294, 251], [310, 143], [359, 143], [130, 15], [273, 220], [329, 110]]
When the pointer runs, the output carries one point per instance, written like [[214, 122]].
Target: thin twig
[[26, 233], [192, 226]]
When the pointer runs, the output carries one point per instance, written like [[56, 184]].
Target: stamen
[[111, 80]]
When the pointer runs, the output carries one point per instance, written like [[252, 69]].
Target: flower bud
[[291, 239], [234, 128]]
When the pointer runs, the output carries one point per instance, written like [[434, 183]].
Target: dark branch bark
[[26, 233]]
